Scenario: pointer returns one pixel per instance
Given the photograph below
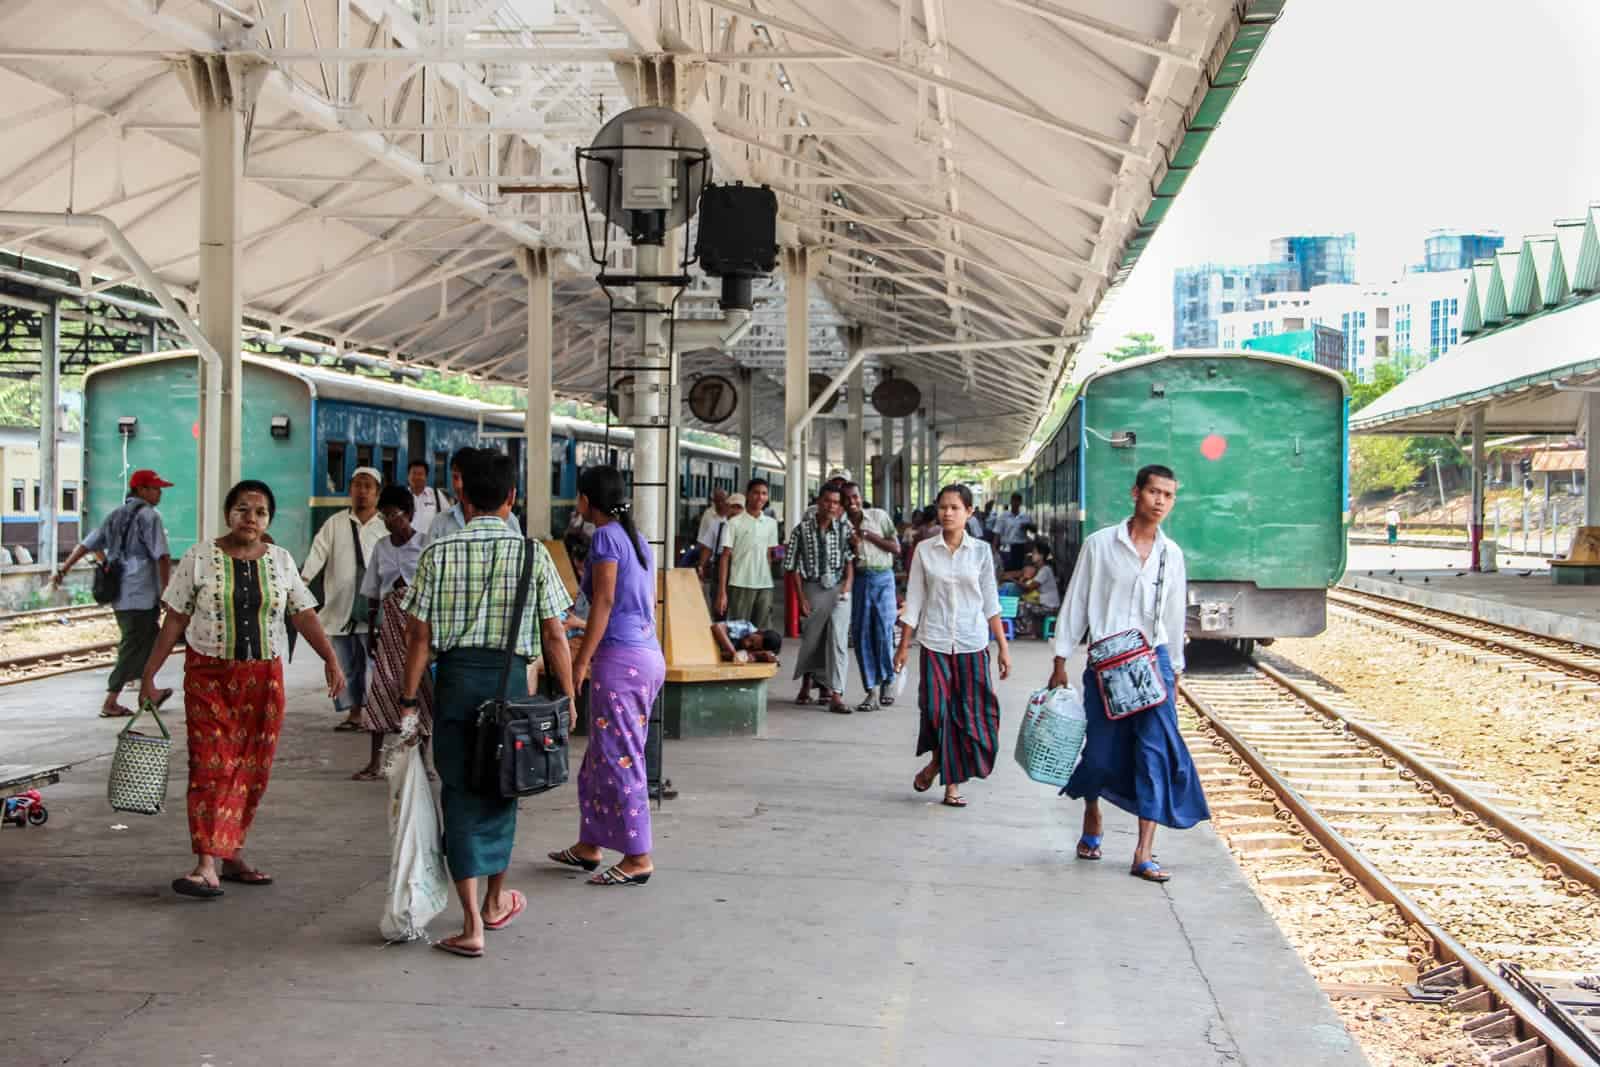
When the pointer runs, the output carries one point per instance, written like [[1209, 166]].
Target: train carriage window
[[390, 467], [69, 496], [19, 495], [363, 455], [35, 496], [335, 463], [441, 470]]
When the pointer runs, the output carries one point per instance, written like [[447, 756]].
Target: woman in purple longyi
[[622, 661]]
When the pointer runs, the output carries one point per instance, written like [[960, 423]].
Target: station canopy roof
[[966, 170], [1532, 313]]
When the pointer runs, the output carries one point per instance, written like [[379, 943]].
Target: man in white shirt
[[426, 501], [453, 519], [1132, 577], [710, 545], [1391, 522], [744, 566], [1012, 533], [340, 553]]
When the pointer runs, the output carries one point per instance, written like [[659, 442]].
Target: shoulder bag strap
[[1161, 580], [516, 618], [355, 534], [129, 518]]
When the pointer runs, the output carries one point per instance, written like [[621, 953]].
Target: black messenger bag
[[520, 746]]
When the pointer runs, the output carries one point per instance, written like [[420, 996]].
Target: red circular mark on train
[[194, 431], [1213, 446]]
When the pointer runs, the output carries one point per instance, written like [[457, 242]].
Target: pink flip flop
[[518, 903], [457, 950]]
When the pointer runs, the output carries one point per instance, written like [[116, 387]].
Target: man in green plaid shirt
[[460, 608]]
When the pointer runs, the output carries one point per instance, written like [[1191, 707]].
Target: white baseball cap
[[371, 472]]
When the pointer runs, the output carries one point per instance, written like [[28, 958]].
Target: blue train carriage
[[1259, 443], [21, 494], [306, 430]]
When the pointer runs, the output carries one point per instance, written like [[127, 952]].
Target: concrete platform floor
[[1520, 594], [809, 908]]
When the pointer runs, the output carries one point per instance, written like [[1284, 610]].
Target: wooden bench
[[705, 697], [1582, 565]]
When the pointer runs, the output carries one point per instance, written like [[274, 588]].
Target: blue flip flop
[[1089, 846], [1150, 871]]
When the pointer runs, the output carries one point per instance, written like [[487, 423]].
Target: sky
[[1388, 118]]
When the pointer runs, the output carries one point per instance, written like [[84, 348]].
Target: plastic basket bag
[[419, 887], [138, 781], [1051, 737]]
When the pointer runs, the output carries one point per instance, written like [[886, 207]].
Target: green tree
[[1385, 376], [1133, 346], [1381, 464]]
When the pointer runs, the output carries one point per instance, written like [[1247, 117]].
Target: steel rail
[[1343, 598], [74, 613], [1538, 845], [22, 662], [1535, 1023]]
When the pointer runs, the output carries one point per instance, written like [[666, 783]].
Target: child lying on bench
[[740, 642]]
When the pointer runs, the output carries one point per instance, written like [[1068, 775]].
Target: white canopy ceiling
[[968, 170]]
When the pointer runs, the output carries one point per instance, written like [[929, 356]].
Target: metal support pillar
[[1591, 468], [1475, 519], [798, 266], [907, 433], [153, 340], [50, 434], [883, 493], [655, 438], [930, 459], [747, 428], [221, 108], [537, 268], [855, 434], [934, 450], [823, 461]]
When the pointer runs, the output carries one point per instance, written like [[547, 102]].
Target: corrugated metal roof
[[1559, 462]]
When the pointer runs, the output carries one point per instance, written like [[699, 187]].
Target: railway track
[[31, 668], [1550, 661], [75, 613], [1512, 918]]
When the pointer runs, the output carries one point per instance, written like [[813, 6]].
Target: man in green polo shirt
[[744, 569]]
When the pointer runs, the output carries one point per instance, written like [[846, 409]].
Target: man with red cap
[[134, 540]]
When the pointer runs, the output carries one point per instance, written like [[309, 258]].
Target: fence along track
[[1560, 664], [1378, 808]]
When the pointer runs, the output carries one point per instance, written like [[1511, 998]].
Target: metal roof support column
[[799, 266], [747, 428], [930, 459], [49, 434], [855, 434], [882, 490], [908, 431], [1591, 468], [537, 268], [218, 94], [1475, 520]]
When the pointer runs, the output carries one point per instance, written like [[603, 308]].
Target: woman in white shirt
[[953, 608], [391, 569], [227, 600]]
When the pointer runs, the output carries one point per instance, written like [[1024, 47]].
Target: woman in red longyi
[[227, 600]]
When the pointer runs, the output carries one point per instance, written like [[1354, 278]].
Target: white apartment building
[[1418, 314]]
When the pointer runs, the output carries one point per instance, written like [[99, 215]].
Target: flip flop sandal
[[839, 707], [457, 950], [162, 697], [803, 699], [118, 712], [1089, 846], [519, 903], [568, 858], [188, 887], [957, 801], [616, 876], [247, 877], [365, 776], [922, 785], [866, 705], [347, 727], [1150, 871]]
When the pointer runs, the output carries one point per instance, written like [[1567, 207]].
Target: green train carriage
[[1259, 444]]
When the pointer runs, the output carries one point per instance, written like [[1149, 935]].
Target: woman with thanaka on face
[[227, 600], [953, 610]]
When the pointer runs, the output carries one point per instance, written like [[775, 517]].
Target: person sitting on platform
[[1132, 576], [739, 641]]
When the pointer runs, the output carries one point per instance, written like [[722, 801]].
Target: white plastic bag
[[898, 685], [419, 887]]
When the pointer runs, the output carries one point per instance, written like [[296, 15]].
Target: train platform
[[1520, 594], [808, 908]]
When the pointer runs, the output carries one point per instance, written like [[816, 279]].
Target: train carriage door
[[416, 442], [1211, 455]]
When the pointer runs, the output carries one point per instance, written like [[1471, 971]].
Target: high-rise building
[[1203, 293], [1318, 259], [1417, 317], [1458, 249]]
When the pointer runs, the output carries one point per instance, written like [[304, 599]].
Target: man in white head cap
[[339, 553]]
